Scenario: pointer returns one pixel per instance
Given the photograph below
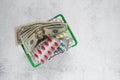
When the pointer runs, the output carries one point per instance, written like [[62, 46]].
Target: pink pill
[[46, 43], [45, 56], [56, 43], [36, 55], [53, 48], [43, 47], [39, 51], [49, 52], [42, 61]]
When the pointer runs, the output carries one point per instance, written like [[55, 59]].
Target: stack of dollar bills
[[42, 41]]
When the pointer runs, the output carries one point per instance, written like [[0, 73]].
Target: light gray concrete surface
[[95, 23]]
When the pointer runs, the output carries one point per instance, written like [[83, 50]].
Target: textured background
[[96, 24]]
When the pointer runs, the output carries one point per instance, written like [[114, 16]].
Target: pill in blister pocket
[[43, 47], [46, 43], [45, 56], [53, 48], [63, 44], [56, 43], [42, 61], [49, 52], [36, 55], [39, 51]]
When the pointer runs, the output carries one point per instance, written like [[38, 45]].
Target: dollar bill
[[27, 28]]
